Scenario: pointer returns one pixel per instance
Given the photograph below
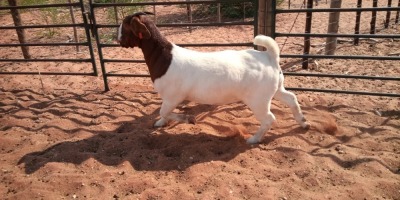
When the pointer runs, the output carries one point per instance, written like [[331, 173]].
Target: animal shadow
[[146, 148]]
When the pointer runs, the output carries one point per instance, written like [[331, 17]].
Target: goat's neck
[[157, 53]]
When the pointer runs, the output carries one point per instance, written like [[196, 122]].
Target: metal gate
[[87, 44], [308, 8], [189, 23]]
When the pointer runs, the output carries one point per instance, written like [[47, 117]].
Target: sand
[[63, 137]]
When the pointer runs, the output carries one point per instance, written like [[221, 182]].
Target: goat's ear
[[139, 29]]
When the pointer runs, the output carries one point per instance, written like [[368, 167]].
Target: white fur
[[224, 77], [119, 33]]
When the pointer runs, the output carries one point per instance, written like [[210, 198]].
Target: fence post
[[219, 11], [307, 42], [115, 13], [265, 18], [389, 4], [261, 19], [269, 16], [155, 12], [373, 19], [397, 14], [358, 18], [71, 11], [20, 32], [189, 14], [333, 27]]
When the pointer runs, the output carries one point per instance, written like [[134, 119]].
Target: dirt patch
[[70, 140]]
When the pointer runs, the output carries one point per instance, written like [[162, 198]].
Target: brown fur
[[156, 48]]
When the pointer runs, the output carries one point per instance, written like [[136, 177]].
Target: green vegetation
[[231, 10], [121, 11], [228, 10]]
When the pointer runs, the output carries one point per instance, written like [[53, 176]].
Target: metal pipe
[[46, 60], [337, 35], [40, 6], [279, 11], [341, 57], [344, 92], [307, 42], [184, 24], [99, 49], [46, 44], [166, 3], [44, 26], [358, 19], [342, 76]]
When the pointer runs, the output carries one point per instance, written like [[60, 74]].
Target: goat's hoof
[[160, 123], [306, 125], [191, 119], [252, 140]]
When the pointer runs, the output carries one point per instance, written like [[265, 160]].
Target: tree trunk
[[333, 27], [20, 32]]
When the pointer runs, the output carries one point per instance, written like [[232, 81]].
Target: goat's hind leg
[[166, 114], [290, 100]]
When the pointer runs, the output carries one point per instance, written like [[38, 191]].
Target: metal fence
[[189, 23], [308, 9], [96, 24], [85, 25]]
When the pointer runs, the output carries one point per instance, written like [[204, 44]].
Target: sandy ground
[[62, 137]]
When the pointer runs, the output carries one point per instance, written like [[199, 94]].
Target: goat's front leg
[[166, 115], [263, 114]]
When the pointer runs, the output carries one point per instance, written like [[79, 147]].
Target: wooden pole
[[333, 27], [115, 13], [261, 17], [189, 13], [307, 42], [373, 19], [397, 14], [155, 12], [389, 4], [20, 32], [71, 11], [358, 19], [244, 11], [265, 19], [269, 19], [219, 12]]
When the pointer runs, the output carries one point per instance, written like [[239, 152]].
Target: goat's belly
[[212, 97]]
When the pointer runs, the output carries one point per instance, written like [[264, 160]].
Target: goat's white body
[[253, 77], [217, 77]]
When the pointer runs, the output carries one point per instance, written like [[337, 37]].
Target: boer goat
[[178, 74]]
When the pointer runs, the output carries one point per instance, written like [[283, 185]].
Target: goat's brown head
[[133, 30]]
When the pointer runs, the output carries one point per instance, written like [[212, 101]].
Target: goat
[[250, 76]]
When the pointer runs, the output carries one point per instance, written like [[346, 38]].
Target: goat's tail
[[269, 43]]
